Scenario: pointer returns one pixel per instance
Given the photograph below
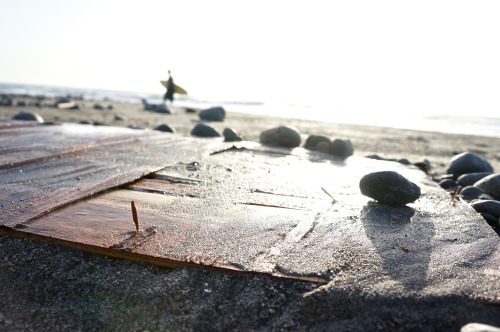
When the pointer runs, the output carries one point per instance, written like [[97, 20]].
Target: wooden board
[[248, 208]]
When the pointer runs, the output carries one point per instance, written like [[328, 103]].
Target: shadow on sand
[[402, 241]]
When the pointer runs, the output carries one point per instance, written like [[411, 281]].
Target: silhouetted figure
[[170, 88]]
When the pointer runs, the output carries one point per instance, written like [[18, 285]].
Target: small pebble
[[284, 136], [471, 178], [470, 193], [491, 207], [491, 220], [202, 130], [468, 162], [231, 135], [490, 185], [341, 148], [164, 128], [213, 114], [28, 116]]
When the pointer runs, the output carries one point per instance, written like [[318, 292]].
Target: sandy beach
[[392, 143], [51, 287]]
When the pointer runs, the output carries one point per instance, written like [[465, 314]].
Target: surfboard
[[177, 89]]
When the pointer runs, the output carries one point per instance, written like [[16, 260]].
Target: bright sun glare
[[358, 56]]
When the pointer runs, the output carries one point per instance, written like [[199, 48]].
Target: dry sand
[[50, 287]]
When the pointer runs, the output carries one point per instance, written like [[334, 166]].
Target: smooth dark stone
[[490, 185], [389, 187], [98, 107], [281, 136], [213, 114], [404, 161], [471, 178], [202, 130], [491, 220], [231, 135], [468, 162], [470, 193], [447, 184], [118, 118], [341, 148], [190, 110], [165, 128], [110, 107], [28, 116], [313, 140], [491, 206], [85, 122]]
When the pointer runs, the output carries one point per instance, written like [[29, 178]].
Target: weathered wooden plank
[[98, 159], [250, 208]]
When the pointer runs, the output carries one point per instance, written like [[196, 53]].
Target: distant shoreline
[[456, 124]]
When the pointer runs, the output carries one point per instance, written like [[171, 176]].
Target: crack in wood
[[135, 240]]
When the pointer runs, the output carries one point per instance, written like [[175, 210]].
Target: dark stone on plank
[[389, 187]]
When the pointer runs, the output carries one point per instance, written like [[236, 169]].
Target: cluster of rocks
[[17, 100], [64, 103], [289, 137], [472, 179], [469, 177], [338, 147], [214, 114]]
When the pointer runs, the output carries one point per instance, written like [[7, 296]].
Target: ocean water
[[454, 124]]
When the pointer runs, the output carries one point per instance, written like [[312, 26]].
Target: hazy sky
[[375, 56]]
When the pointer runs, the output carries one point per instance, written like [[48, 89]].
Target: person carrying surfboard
[[170, 88]]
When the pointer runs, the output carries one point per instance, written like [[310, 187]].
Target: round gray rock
[[468, 162], [471, 178], [389, 187], [491, 206], [283, 136], [341, 148], [213, 114], [202, 130], [490, 185], [28, 116]]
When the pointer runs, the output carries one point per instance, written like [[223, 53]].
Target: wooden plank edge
[[159, 261]]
